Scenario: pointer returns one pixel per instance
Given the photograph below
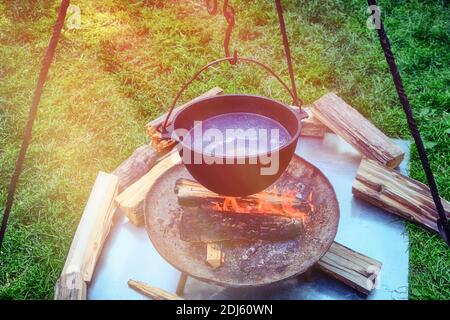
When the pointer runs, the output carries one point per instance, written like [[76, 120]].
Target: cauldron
[[238, 175]]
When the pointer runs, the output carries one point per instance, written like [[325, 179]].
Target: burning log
[[199, 225], [268, 215], [192, 194]]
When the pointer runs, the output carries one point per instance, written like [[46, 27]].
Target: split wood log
[[350, 267], [152, 292], [131, 200], [160, 144], [93, 227], [192, 194], [311, 126], [70, 286], [139, 163], [214, 255], [200, 225], [91, 233], [348, 123], [396, 193]]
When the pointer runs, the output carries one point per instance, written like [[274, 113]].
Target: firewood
[[93, 228], [350, 267], [160, 144], [181, 284], [139, 163], [396, 193], [146, 156], [131, 200], [214, 255], [152, 292], [348, 123], [89, 238], [311, 126], [192, 194], [70, 286], [200, 225]]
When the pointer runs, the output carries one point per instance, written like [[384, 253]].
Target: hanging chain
[[228, 13], [287, 51]]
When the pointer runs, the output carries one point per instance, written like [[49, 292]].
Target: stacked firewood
[[376, 182]]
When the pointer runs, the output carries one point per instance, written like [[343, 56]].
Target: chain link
[[229, 14]]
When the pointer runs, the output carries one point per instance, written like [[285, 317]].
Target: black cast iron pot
[[240, 176], [237, 176]]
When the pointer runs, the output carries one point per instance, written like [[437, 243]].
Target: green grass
[[130, 57]]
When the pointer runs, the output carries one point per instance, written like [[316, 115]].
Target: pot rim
[[293, 139]]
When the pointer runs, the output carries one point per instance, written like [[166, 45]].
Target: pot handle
[[163, 128]]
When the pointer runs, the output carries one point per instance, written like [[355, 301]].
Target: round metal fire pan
[[247, 264]]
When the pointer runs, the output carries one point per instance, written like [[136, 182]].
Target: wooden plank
[[388, 189], [93, 228], [350, 267], [131, 200], [70, 286], [152, 292], [349, 124]]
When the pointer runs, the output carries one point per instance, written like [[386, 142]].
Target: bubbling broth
[[238, 134]]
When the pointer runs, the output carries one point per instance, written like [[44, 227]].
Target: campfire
[[245, 241], [275, 214], [290, 203], [268, 202], [209, 217]]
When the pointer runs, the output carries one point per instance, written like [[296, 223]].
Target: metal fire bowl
[[246, 263]]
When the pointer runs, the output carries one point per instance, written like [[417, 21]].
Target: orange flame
[[267, 202]]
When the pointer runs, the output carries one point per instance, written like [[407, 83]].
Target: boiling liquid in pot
[[238, 134]]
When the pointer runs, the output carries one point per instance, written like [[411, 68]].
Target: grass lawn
[[127, 61]]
